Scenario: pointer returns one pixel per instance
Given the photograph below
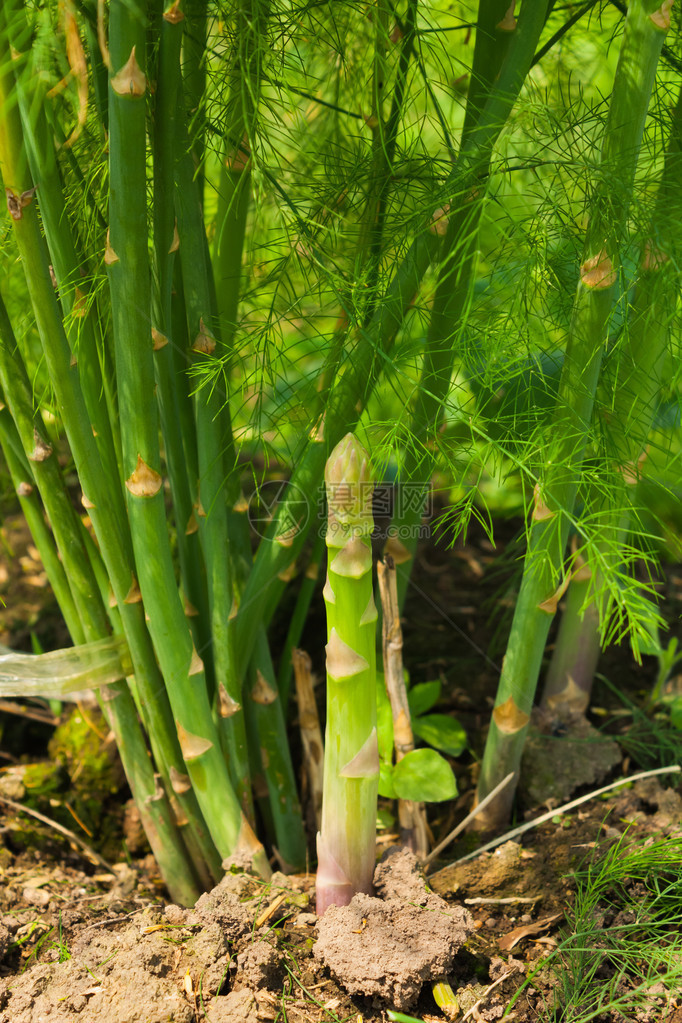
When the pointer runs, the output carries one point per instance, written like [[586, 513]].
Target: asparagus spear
[[346, 841]]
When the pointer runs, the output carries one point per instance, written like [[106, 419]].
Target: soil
[[97, 948], [86, 942]]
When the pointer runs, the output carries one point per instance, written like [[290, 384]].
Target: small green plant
[[652, 737], [60, 944], [668, 657], [42, 945], [28, 931], [423, 775], [547, 568]]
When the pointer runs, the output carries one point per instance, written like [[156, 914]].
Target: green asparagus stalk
[[243, 86], [268, 742], [194, 79], [31, 506], [165, 132], [385, 133], [544, 579], [89, 621], [44, 469], [264, 707], [346, 843], [286, 535], [366, 359], [503, 54], [574, 661], [626, 408], [214, 439], [273, 775], [227, 553], [128, 267], [80, 307], [216, 465], [102, 494], [495, 27]]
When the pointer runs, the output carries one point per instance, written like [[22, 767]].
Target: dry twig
[[411, 815], [311, 733]]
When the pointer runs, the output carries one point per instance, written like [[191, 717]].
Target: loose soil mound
[[388, 947]]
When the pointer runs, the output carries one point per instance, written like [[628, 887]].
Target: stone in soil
[[387, 948]]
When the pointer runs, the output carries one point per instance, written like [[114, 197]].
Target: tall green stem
[[556, 491], [495, 26], [214, 443], [274, 780], [574, 661], [630, 389], [79, 305], [502, 58], [90, 621], [32, 509], [165, 131], [194, 79], [285, 535], [243, 90], [180, 664], [384, 142], [366, 359]]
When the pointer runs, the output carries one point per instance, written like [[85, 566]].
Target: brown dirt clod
[[387, 948]]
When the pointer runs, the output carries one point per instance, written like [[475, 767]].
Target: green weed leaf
[[422, 697], [441, 731], [424, 776]]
